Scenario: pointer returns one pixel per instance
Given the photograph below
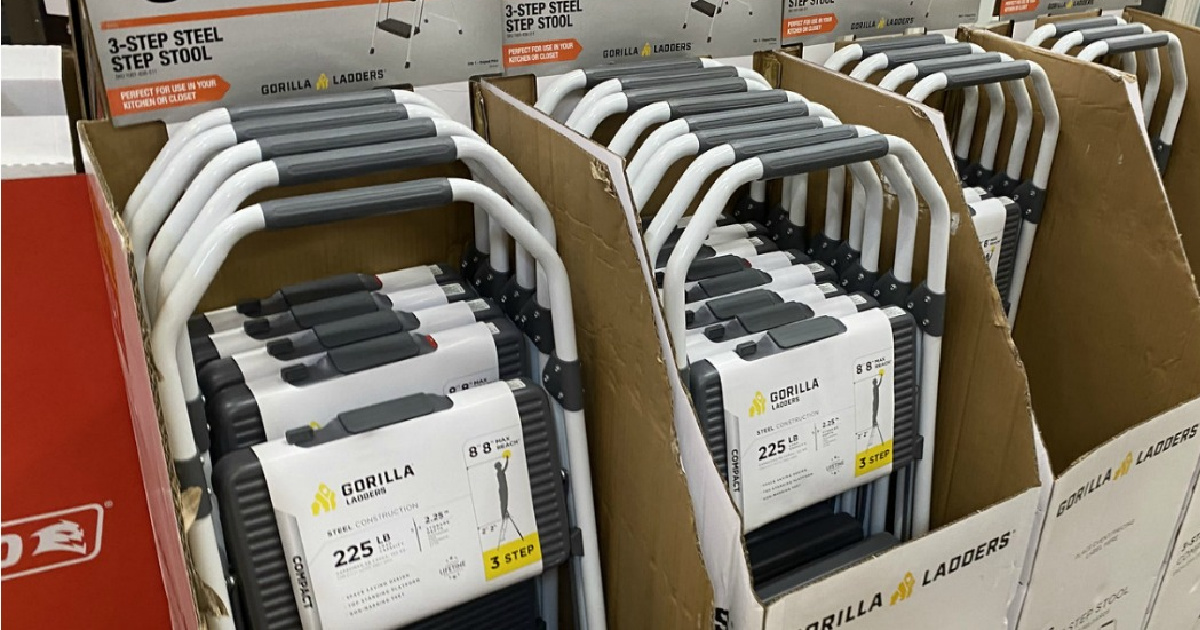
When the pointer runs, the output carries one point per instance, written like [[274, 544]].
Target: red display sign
[[77, 548]]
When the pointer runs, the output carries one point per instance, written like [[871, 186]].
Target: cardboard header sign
[[1029, 9], [172, 60], [551, 37], [824, 21]]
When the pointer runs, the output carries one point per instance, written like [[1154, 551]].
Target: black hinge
[[1031, 200], [563, 380], [890, 291], [929, 309], [535, 321]]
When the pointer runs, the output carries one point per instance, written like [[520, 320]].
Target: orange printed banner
[[149, 97], [1008, 7], [809, 25], [532, 54]]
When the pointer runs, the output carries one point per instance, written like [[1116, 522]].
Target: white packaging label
[[445, 317], [989, 219], [726, 233], [388, 527], [807, 424], [409, 278], [839, 305], [420, 297], [465, 358], [741, 247]]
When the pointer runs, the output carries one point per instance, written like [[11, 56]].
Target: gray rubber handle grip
[[355, 203], [693, 105], [823, 156], [640, 98], [991, 73], [359, 328], [792, 109], [371, 353], [1096, 34], [350, 162], [926, 67], [277, 125], [343, 137], [311, 104], [754, 147], [896, 43], [1135, 43], [640, 81], [601, 74], [710, 138], [393, 412], [898, 58], [1070, 26]]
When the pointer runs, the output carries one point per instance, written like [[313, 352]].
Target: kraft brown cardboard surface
[[1181, 181], [1109, 328], [984, 449], [654, 574]]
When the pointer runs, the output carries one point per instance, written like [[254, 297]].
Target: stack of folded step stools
[[1006, 206], [385, 449], [813, 369]]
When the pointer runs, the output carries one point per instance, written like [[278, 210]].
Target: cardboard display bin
[[1109, 333], [987, 485], [115, 160]]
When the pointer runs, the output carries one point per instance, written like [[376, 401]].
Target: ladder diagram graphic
[[711, 9], [409, 30]]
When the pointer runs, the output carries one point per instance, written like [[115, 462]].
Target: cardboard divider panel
[[654, 574], [1183, 186], [1110, 321]]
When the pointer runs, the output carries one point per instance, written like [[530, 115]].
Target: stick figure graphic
[[502, 482], [875, 383]]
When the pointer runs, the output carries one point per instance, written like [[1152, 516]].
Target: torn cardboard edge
[[716, 520]]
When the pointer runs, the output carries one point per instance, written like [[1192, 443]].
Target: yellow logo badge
[[904, 590], [759, 405], [881, 23], [1123, 469], [326, 500], [322, 82], [646, 50]]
